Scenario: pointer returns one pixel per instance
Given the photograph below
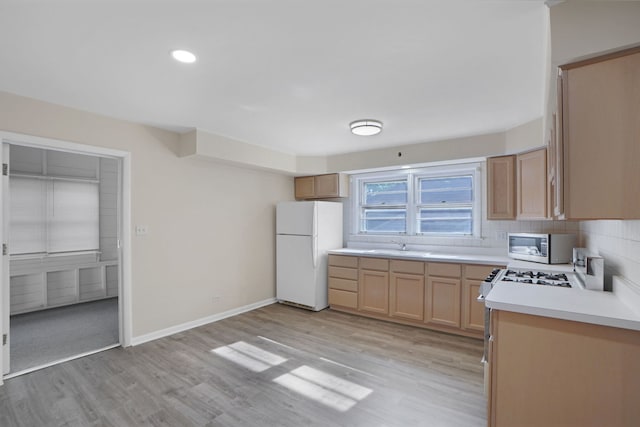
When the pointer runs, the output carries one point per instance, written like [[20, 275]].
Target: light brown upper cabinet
[[599, 137], [326, 186], [531, 189], [501, 185]]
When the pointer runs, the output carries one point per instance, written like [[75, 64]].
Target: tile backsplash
[[618, 242]]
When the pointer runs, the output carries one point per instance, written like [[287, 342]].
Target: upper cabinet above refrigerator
[[327, 186]]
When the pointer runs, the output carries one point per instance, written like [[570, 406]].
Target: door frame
[[125, 294]]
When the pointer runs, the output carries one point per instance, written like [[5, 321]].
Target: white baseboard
[[199, 322]]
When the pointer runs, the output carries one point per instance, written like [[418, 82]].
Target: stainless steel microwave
[[552, 248]]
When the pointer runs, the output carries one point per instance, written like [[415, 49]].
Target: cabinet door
[[327, 185], [373, 291], [339, 297], [531, 190], [472, 309], [407, 296], [305, 187], [601, 147], [443, 301], [501, 187], [558, 166]]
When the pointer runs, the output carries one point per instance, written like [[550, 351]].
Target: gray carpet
[[49, 335]]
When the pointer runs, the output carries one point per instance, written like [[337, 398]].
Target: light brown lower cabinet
[[343, 281], [443, 301], [472, 309], [432, 295], [407, 296], [552, 372], [373, 291]]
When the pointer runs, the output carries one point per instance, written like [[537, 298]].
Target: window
[[442, 201], [445, 205], [49, 215], [384, 206]]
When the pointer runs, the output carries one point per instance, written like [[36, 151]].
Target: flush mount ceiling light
[[183, 56], [366, 127]]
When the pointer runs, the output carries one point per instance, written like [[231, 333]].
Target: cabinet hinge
[[5, 249], [5, 169], [4, 339]]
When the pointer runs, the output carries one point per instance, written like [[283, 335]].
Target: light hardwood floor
[[276, 366]]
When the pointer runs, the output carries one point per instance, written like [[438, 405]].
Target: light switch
[[142, 230]]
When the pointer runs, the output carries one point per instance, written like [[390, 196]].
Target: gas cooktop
[[543, 278], [537, 278]]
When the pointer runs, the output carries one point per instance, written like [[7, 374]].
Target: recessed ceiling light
[[366, 127], [183, 56]]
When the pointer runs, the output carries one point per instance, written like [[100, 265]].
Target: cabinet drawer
[[479, 272], [411, 267], [443, 269], [374, 264], [343, 261], [343, 298], [343, 273], [344, 284]]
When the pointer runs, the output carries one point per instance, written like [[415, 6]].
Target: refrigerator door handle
[[314, 250]]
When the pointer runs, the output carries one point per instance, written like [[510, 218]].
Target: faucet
[[403, 246]]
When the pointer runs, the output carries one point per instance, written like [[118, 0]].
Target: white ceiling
[[285, 74]]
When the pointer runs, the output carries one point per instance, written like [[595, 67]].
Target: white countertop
[[435, 256], [620, 308]]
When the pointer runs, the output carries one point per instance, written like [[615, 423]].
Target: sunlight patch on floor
[[330, 390], [249, 356]]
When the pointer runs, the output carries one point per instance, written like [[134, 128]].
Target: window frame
[[413, 176], [398, 206]]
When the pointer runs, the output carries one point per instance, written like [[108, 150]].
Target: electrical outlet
[[501, 235], [142, 230]]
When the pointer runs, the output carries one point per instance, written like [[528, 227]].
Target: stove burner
[[560, 276], [519, 273], [560, 284]]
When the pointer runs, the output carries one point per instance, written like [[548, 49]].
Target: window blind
[[53, 215]]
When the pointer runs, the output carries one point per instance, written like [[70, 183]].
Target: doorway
[[65, 275]]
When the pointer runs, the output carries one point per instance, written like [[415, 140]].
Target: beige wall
[[207, 146], [210, 246], [453, 149], [524, 137], [582, 28]]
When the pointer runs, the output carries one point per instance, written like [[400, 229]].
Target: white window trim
[[474, 169]]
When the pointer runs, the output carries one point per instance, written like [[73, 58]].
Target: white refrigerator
[[305, 231]]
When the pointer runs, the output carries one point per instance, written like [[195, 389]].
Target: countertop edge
[[593, 319], [443, 257]]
